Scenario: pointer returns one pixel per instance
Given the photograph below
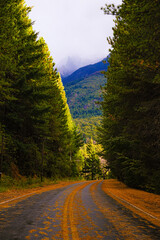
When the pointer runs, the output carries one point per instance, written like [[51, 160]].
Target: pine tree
[[130, 127], [37, 133], [92, 162]]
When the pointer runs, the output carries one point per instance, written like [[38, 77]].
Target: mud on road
[[78, 211]]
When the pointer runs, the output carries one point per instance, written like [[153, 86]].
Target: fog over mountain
[[70, 64]]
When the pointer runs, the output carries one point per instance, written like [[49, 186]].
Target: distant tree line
[[130, 131], [88, 127], [37, 134], [89, 156]]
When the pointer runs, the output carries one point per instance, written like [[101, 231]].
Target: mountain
[[83, 96], [70, 64], [85, 71], [83, 91]]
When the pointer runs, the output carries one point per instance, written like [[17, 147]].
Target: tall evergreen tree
[[36, 126], [130, 126], [91, 167]]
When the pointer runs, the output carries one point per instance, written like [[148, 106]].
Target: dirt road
[[78, 211]]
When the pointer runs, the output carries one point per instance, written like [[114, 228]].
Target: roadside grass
[[3, 189], [8, 183]]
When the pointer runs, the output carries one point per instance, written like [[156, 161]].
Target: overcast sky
[[75, 28]]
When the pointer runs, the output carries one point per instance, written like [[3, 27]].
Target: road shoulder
[[146, 205]]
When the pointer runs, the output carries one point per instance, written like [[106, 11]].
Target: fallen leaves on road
[[148, 202], [15, 193]]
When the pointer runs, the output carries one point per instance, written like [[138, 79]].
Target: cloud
[[73, 27]]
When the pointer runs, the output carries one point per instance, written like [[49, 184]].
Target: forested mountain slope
[[83, 91], [83, 96]]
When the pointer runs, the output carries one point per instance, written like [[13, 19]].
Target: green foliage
[[88, 126], [130, 126], [83, 96], [8, 183], [91, 161], [37, 133]]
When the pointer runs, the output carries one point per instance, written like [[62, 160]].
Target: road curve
[[78, 211]]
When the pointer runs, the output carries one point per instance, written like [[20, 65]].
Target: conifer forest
[[130, 131], [38, 135]]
